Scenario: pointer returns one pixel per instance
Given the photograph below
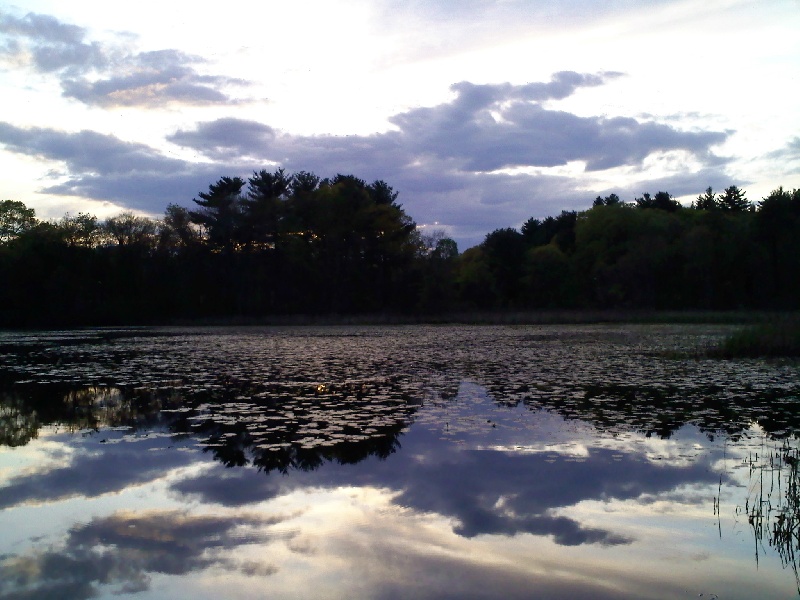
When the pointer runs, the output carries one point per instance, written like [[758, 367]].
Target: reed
[[773, 506], [774, 338]]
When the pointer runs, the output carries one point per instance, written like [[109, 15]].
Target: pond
[[595, 461]]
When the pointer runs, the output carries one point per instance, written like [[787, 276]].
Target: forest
[[297, 244]]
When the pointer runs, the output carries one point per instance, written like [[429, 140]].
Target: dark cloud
[[228, 137], [236, 488], [106, 168], [790, 151], [86, 152], [484, 491], [491, 492], [493, 127], [52, 45], [42, 27], [161, 77], [446, 160], [123, 550], [449, 162], [484, 128], [474, 97], [149, 192], [94, 474], [105, 75], [681, 184]]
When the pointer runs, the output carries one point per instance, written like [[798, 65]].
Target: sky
[[480, 113]]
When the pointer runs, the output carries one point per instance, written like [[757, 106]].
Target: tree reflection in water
[[500, 462], [280, 427]]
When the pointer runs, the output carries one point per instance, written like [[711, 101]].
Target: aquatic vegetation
[[584, 442], [773, 505], [271, 395], [774, 338]]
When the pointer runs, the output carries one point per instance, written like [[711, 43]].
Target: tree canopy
[[280, 243]]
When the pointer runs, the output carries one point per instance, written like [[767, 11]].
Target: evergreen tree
[[732, 199], [220, 212], [706, 201]]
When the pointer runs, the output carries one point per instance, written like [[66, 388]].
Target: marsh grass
[[497, 317], [770, 339]]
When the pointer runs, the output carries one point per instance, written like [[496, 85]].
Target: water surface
[[395, 462]]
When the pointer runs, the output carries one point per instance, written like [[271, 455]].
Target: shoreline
[[537, 317]]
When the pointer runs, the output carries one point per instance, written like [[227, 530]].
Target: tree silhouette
[[263, 206], [299, 244], [707, 201], [220, 212], [662, 200], [127, 229], [609, 200], [81, 230], [15, 219], [732, 199]]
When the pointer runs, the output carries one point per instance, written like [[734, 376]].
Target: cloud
[[487, 158], [85, 151], [483, 491], [124, 549], [42, 27], [493, 127], [93, 474], [49, 45], [451, 161], [109, 75], [487, 493], [228, 138], [153, 78], [791, 151], [485, 128], [103, 167]]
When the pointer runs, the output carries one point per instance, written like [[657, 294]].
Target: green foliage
[[177, 230], [777, 232], [780, 338], [609, 200], [548, 280], [559, 230], [475, 280], [436, 263], [504, 253]]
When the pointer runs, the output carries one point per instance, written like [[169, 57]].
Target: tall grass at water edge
[[774, 338]]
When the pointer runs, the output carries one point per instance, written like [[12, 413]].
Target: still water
[[395, 462]]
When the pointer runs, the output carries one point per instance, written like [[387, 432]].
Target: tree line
[[721, 252], [279, 244]]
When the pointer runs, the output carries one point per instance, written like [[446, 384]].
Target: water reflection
[[376, 463], [772, 506], [123, 551]]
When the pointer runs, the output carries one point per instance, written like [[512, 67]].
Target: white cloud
[[453, 105]]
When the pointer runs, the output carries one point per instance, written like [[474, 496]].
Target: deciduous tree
[[15, 219]]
